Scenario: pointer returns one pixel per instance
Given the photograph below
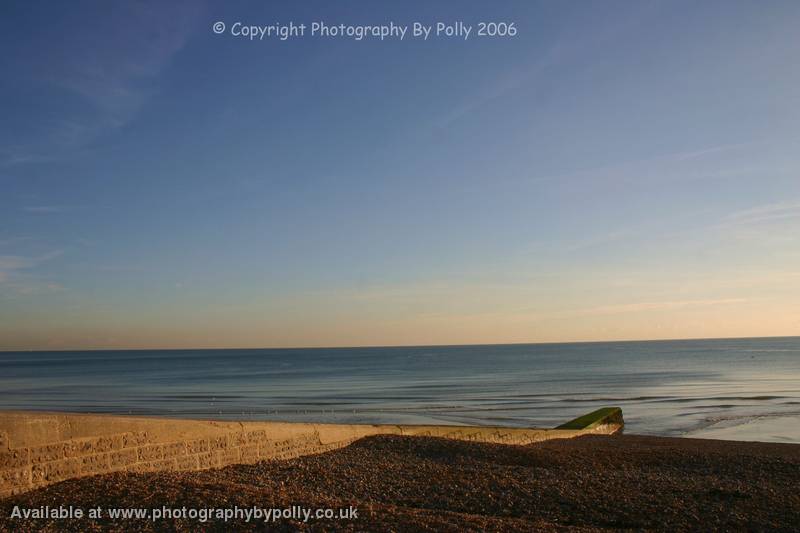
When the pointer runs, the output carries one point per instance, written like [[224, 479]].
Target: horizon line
[[366, 346]]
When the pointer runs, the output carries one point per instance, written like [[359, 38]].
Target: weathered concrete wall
[[37, 449]]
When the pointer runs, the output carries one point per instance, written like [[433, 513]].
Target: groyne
[[37, 449]]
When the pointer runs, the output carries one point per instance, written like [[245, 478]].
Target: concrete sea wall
[[37, 449]]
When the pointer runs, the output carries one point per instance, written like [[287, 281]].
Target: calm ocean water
[[746, 388]]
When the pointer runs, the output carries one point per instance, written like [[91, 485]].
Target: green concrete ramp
[[604, 416]]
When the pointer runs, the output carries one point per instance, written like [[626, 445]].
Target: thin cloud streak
[[656, 306], [44, 209], [764, 213], [13, 264]]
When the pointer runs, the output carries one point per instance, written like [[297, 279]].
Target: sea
[[740, 389]]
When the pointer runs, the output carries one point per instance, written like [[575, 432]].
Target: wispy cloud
[[136, 42], [44, 209], [112, 70], [9, 263], [533, 74], [764, 214], [655, 306], [701, 164], [602, 239], [774, 226], [14, 267], [534, 316], [15, 154], [711, 150], [511, 81], [13, 240]]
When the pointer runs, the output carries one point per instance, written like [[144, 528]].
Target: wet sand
[[417, 483]]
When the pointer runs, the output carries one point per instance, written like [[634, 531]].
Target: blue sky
[[617, 170]]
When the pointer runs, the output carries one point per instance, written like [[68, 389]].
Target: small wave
[[630, 399], [673, 399], [735, 398], [200, 396]]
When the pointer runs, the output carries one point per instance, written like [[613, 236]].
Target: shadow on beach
[[417, 483]]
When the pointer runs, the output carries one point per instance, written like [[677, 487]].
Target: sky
[[616, 170]]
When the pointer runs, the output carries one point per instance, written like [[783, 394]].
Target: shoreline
[[779, 428], [666, 389]]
